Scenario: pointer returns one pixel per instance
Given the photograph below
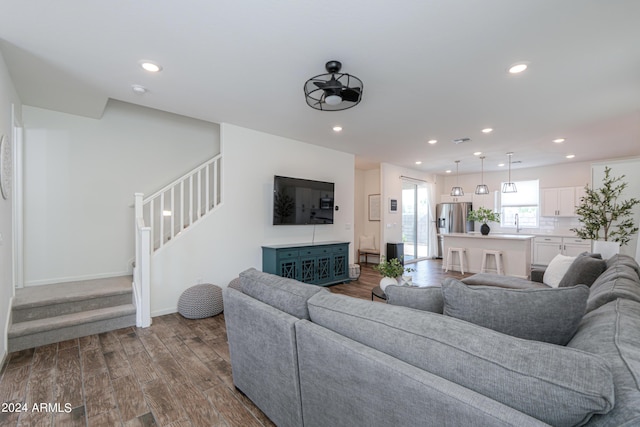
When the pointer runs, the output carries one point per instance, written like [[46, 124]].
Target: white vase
[[606, 249], [386, 281]]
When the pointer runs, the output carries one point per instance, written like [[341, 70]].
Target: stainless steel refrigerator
[[452, 218]]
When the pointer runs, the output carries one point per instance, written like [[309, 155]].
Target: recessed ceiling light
[[559, 140], [151, 67], [418, 162], [487, 130], [500, 164], [447, 171], [337, 128], [518, 68], [477, 153], [570, 156], [432, 141], [139, 89]]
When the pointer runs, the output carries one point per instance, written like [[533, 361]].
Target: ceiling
[[431, 69]]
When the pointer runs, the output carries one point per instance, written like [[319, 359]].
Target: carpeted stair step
[[41, 302], [39, 332]]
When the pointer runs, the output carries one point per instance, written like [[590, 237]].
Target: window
[[524, 203]]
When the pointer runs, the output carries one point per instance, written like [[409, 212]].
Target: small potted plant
[[391, 271], [483, 215], [605, 219]]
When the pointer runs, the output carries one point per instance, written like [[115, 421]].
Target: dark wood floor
[[174, 373]]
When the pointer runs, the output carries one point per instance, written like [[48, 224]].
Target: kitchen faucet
[[517, 224]]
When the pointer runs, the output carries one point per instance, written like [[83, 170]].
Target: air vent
[[516, 161], [461, 140]]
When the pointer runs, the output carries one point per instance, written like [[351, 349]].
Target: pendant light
[[509, 187], [482, 188], [457, 190]]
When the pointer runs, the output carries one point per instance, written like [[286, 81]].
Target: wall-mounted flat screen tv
[[302, 201]]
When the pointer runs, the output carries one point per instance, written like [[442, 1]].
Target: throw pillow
[[556, 270], [427, 298], [367, 242], [584, 270], [550, 315]]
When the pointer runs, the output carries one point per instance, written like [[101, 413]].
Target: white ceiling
[[431, 69]]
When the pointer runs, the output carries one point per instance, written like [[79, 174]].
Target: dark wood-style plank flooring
[[175, 373]]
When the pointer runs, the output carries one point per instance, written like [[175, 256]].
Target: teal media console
[[325, 263]]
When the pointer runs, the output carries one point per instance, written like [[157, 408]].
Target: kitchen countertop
[[566, 234], [498, 236]]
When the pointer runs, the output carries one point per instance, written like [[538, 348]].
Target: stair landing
[[51, 313]]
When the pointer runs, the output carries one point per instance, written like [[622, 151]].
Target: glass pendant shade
[[509, 187], [482, 189], [457, 190]]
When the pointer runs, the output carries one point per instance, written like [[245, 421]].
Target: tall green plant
[[600, 211]]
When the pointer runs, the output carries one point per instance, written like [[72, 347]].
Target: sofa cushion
[[428, 298], [284, 294], [625, 260], [558, 385], [620, 280], [556, 270], [551, 315], [501, 281], [584, 270], [611, 331]]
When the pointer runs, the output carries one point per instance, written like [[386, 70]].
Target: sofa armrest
[[537, 274]]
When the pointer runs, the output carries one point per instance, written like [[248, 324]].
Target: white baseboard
[[53, 281], [164, 311], [5, 338]]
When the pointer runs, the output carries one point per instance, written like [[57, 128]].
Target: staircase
[[47, 314]]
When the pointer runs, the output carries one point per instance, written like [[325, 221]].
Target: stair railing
[[164, 215], [142, 273]]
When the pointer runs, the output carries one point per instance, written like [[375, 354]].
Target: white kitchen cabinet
[[558, 201], [575, 246], [486, 201], [546, 248], [447, 198]]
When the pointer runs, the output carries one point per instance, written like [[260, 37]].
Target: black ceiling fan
[[333, 91]]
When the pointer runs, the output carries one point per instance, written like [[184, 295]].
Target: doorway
[[415, 221]]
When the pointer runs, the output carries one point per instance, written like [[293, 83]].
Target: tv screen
[[302, 201]]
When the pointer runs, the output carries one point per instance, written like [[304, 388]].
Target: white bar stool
[[461, 252], [498, 257]]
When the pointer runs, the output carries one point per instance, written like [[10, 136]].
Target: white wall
[[229, 241], [367, 183], [391, 188], [8, 97], [80, 176]]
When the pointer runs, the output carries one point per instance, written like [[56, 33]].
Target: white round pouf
[[200, 301]]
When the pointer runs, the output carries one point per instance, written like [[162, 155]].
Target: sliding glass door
[[415, 221]]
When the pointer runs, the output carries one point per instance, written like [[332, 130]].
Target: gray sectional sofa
[[307, 357]]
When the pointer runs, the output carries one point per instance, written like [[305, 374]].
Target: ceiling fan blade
[[350, 94]]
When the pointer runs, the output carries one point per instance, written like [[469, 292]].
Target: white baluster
[[181, 205]]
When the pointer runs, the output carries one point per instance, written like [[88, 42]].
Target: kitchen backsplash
[[548, 225]]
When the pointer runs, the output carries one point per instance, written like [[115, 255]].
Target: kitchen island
[[516, 251]]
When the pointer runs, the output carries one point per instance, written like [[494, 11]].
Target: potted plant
[[605, 219], [483, 215], [391, 271]]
